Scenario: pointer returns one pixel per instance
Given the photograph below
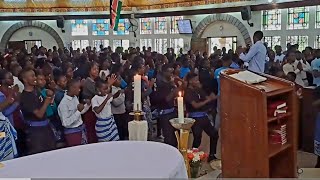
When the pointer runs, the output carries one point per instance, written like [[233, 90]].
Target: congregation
[[56, 98]]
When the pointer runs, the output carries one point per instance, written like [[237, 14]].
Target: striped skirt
[[8, 148], [106, 130]]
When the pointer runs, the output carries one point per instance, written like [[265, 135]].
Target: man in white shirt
[[70, 111], [256, 57], [279, 55], [293, 66], [305, 66]]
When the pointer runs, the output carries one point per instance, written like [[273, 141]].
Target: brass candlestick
[[183, 137], [137, 115]]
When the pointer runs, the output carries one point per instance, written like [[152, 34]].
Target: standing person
[[185, 69], [67, 70], [61, 81], [16, 69], [6, 81], [256, 56], [88, 92], [306, 68], [226, 62], [165, 94], [8, 149], [70, 111], [279, 55], [272, 65], [106, 127], [118, 109], [293, 66], [315, 66], [198, 104], [39, 135]]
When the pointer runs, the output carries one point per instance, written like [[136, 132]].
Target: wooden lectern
[[245, 126]]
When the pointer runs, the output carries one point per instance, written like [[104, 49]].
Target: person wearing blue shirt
[[184, 70], [256, 57], [315, 66], [226, 62]]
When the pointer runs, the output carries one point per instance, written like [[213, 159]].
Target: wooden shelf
[[275, 149], [282, 116]]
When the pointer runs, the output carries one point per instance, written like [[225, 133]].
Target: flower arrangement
[[195, 158]]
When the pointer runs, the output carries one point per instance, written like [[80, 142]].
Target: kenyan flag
[[115, 10]]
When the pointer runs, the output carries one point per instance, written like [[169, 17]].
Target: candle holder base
[[188, 123], [183, 137], [137, 115]]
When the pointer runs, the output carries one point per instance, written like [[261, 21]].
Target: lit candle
[[180, 108], [137, 93]]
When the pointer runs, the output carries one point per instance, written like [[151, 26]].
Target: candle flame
[[180, 94]]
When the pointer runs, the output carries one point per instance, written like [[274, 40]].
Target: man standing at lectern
[[256, 56]]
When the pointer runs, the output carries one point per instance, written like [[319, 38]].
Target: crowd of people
[[55, 98]]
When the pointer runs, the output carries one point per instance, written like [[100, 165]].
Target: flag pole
[[111, 23]]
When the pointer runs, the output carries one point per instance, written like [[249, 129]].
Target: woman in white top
[[106, 127]]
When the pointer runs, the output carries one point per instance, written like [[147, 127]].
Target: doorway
[[220, 42], [31, 43]]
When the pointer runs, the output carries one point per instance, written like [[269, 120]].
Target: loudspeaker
[[60, 23], [246, 13]]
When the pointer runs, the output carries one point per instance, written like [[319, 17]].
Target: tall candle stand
[[138, 129], [183, 137]]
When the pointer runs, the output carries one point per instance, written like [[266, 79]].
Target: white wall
[[37, 34], [211, 31]]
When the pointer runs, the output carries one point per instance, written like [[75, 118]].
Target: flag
[[115, 11]]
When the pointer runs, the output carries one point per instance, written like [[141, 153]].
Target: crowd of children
[[63, 97]]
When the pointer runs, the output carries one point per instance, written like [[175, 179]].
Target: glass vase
[[194, 170]]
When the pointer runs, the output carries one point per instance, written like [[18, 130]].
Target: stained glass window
[[160, 25], [81, 44], [272, 41], [298, 18], [160, 45], [79, 27], [302, 41], [97, 43], [317, 42], [145, 25], [174, 24], [145, 42], [271, 19], [121, 43], [176, 44], [318, 17], [123, 27], [100, 27]]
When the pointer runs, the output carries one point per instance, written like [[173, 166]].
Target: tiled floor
[[306, 161]]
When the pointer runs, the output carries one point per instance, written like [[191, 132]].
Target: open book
[[248, 77]]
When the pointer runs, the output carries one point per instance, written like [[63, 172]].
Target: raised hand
[[112, 79]]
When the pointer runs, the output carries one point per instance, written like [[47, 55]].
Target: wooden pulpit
[[247, 150]]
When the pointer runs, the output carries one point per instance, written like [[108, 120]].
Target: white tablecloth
[[123, 159]]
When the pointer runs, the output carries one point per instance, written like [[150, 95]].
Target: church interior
[[160, 89]]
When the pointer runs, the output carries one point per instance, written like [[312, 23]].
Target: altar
[[122, 159]]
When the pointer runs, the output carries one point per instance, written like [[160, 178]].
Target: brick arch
[[15, 27], [220, 17]]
